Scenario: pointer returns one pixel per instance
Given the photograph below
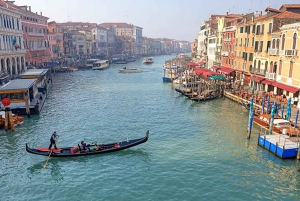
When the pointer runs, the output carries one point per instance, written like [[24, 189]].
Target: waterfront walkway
[[245, 95]]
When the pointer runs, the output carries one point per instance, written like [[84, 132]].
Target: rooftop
[[18, 84]]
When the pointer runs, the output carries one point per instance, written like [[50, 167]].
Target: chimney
[[227, 13], [41, 13], [29, 8], [260, 13]]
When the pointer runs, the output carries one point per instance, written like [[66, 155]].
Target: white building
[[100, 41], [211, 50], [12, 52]]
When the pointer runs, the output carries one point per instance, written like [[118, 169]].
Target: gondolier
[[53, 140]]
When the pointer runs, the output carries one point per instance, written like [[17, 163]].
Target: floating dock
[[282, 146]]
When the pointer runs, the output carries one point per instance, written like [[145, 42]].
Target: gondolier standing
[[53, 139]]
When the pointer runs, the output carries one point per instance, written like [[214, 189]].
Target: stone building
[[55, 37], [12, 52]]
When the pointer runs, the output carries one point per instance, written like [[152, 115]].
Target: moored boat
[[16, 119], [91, 149], [100, 65], [148, 60], [130, 70]]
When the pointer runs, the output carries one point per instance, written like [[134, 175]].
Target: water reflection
[[53, 166]]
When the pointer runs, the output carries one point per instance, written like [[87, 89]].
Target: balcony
[[290, 53], [35, 34], [270, 76], [37, 48], [10, 30], [258, 71], [19, 51], [273, 52], [227, 39], [226, 54]]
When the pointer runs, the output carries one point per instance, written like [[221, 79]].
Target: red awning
[[192, 64], [199, 71], [286, 87], [239, 71], [209, 73], [215, 67], [257, 78], [201, 62], [226, 70], [269, 82]]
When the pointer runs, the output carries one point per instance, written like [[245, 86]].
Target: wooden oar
[[47, 159]]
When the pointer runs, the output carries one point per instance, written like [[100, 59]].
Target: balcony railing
[[227, 39], [273, 52], [19, 51], [10, 30], [258, 71], [290, 52], [35, 34], [270, 76], [37, 48], [224, 53]]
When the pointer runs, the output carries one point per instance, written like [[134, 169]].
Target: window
[[241, 42], [252, 41], [261, 46], [270, 28], [277, 44], [253, 29], [257, 29], [291, 69], [241, 29], [282, 42], [268, 45], [262, 29], [294, 41], [273, 44], [256, 46], [250, 56]]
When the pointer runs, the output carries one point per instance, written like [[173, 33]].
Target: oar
[[47, 159]]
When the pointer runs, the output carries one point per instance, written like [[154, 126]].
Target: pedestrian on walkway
[[295, 101]]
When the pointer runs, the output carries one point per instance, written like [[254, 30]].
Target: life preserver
[[116, 145]]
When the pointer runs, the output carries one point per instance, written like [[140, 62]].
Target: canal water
[[196, 151]]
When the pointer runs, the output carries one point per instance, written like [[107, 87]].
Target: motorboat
[[148, 60], [130, 70], [100, 65]]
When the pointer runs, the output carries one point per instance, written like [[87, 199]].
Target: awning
[[192, 64], [257, 78], [199, 71], [286, 87], [269, 82], [226, 70], [239, 71], [217, 77], [215, 67], [209, 73], [201, 62]]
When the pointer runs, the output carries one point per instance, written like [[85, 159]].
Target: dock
[[282, 146]]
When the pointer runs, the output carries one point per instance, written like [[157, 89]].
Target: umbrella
[[277, 108]]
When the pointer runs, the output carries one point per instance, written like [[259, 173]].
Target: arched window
[[294, 41], [258, 67], [277, 44], [271, 67], [282, 42], [254, 64], [273, 44], [266, 66]]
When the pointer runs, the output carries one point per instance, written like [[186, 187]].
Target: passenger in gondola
[[84, 146]]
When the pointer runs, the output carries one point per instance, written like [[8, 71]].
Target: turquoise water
[[196, 151]]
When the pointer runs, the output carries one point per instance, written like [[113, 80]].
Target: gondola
[[91, 148]]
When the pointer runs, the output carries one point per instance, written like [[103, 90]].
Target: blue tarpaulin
[[50, 63]]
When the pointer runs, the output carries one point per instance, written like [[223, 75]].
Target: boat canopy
[[217, 77]]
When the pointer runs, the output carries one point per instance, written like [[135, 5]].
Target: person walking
[[295, 101], [53, 140]]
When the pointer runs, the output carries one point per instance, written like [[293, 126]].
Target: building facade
[[12, 52]]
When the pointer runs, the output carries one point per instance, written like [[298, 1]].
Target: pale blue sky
[[175, 19]]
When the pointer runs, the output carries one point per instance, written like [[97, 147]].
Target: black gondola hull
[[104, 148]]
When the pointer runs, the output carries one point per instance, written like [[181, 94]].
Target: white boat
[[130, 70], [148, 60], [100, 65]]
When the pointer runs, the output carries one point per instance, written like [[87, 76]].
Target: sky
[[174, 19]]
